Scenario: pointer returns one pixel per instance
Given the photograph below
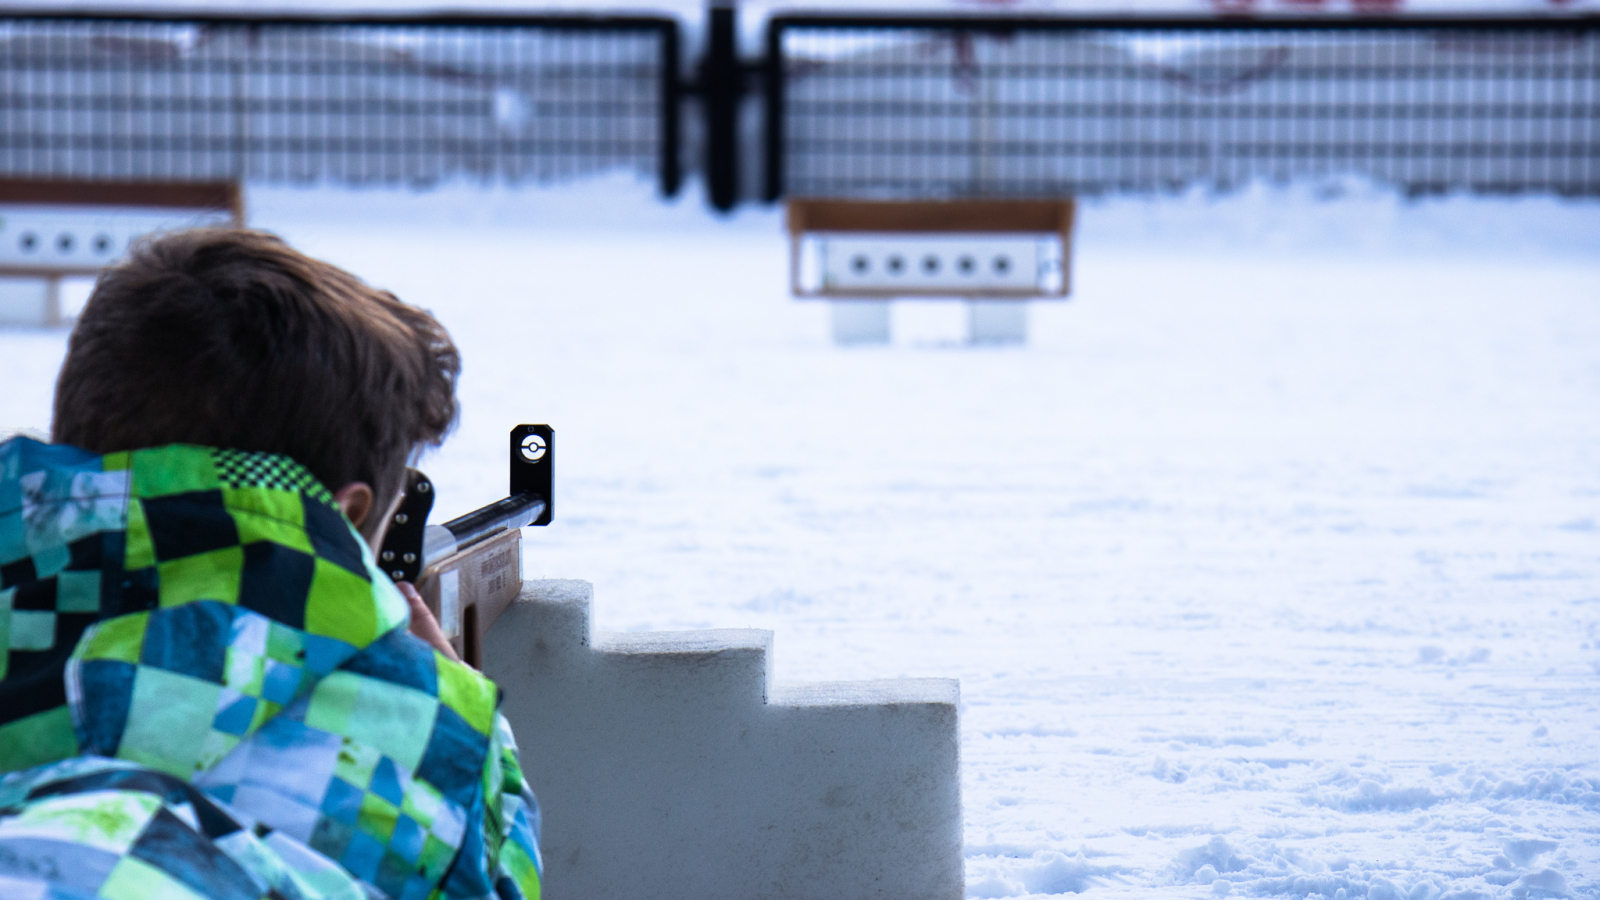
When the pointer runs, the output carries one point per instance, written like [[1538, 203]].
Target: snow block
[[860, 321], [997, 322], [665, 767]]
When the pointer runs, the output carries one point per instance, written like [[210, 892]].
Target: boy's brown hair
[[230, 338]]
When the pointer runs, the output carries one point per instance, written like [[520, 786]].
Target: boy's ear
[[355, 501]]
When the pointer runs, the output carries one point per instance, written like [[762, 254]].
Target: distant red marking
[[150, 51], [1234, 7], [406, 59], [1216, 86], [965, 70]]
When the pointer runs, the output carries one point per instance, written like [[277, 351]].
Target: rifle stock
[[469, 569]]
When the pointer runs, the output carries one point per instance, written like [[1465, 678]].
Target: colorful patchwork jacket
[[208, 690]]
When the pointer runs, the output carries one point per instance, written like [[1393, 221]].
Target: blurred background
[[1268, 559]]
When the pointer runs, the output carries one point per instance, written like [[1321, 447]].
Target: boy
[[207, 686]]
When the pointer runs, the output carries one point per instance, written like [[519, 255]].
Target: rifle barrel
[[515, 511]]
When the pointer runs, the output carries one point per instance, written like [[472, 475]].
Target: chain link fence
[[350, 102], [908, 108]]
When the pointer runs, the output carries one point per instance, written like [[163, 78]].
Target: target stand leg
[[860, 321], [52, 301], [997, 321]]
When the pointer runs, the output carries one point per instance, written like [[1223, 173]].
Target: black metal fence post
[[772, 84], [721, 83], [671, 100]]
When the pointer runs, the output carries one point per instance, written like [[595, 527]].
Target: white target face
[[49, 238], [913, 264], [533, 447]]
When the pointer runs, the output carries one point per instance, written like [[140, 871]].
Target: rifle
[[469, 569]]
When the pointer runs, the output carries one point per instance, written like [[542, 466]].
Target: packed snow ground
[[1270, 566]]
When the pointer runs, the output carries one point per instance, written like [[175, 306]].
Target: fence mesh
[[944, 111], [346, 103]]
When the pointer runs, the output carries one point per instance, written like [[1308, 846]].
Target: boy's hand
[[423, 624]]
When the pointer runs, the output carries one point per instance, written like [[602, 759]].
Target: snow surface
[[1270, 567]]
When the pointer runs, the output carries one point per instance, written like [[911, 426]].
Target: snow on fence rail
[[907, 107], [355, 100]]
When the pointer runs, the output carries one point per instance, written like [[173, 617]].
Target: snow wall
[[667, 766]]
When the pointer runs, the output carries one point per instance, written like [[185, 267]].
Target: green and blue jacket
[[208, 690]]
